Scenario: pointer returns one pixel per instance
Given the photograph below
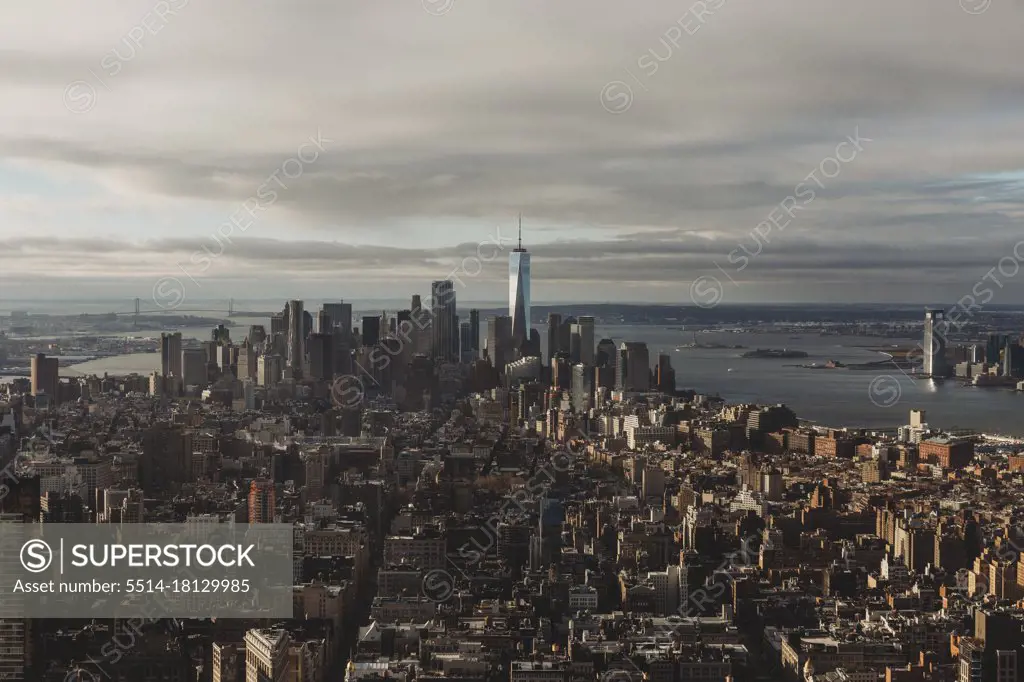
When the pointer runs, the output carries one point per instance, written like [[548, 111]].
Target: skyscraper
[[261, 501], [14, 632], [296, 339], [499, 341], [341, 317], [519, 291], [321, 356], [170, 354], [554, 324], [445, 329], [45, 376], [665, 376], [324, 324], [633, 370], [934, 344], [370, 330], [585, 328], [474, 329]]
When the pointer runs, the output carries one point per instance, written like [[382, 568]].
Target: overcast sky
[[644, 142]]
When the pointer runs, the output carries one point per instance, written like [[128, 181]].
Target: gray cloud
[[494, 108]]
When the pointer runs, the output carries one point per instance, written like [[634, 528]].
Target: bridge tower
[[137, 308], [231, 307]]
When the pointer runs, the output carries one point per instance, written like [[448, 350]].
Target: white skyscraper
[[519, 291]]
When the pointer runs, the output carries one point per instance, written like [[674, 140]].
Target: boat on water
[[775, 353]]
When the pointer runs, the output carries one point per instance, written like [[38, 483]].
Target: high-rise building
[[607, 355], [554, 324], [934, 343], [257, 335], [445, 330], [370, 330], [633, 370], [321, 357], [170, 354], [341, 316], [585, 329], [665, 376], [14, 632], [296, 339], [261, 501], [466, 341], [994, 346], [246, 363], [267, 656], [519, 291], [324, 325], [228, 662], [45, 377], [499, 341], [193, 366], [474, 329], [582, 387]]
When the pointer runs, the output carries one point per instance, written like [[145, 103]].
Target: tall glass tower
[[519, 291]]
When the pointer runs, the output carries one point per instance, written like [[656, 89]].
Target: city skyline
[[110, 192]]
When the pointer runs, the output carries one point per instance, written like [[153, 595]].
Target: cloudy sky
[[366, 148]]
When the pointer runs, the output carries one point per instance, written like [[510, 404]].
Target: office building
[[324, 325], [665, 376], [582, 387], [584, 328], [268, 656], [445, 330], [170, 355], [261, 501], [633, 369], [606, 353], [45, 377], [268, 370], [554, 324], [245, 365], [519, 291], [370, 330], [321, 357], [193, 366], [341, 317], [499, 341], [296, 339], [935, 343], [15, 644], [228, 662], [474, 329], [257, 335], [994, 346]]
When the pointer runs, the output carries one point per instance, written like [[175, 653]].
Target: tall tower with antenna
[[519, 291]]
